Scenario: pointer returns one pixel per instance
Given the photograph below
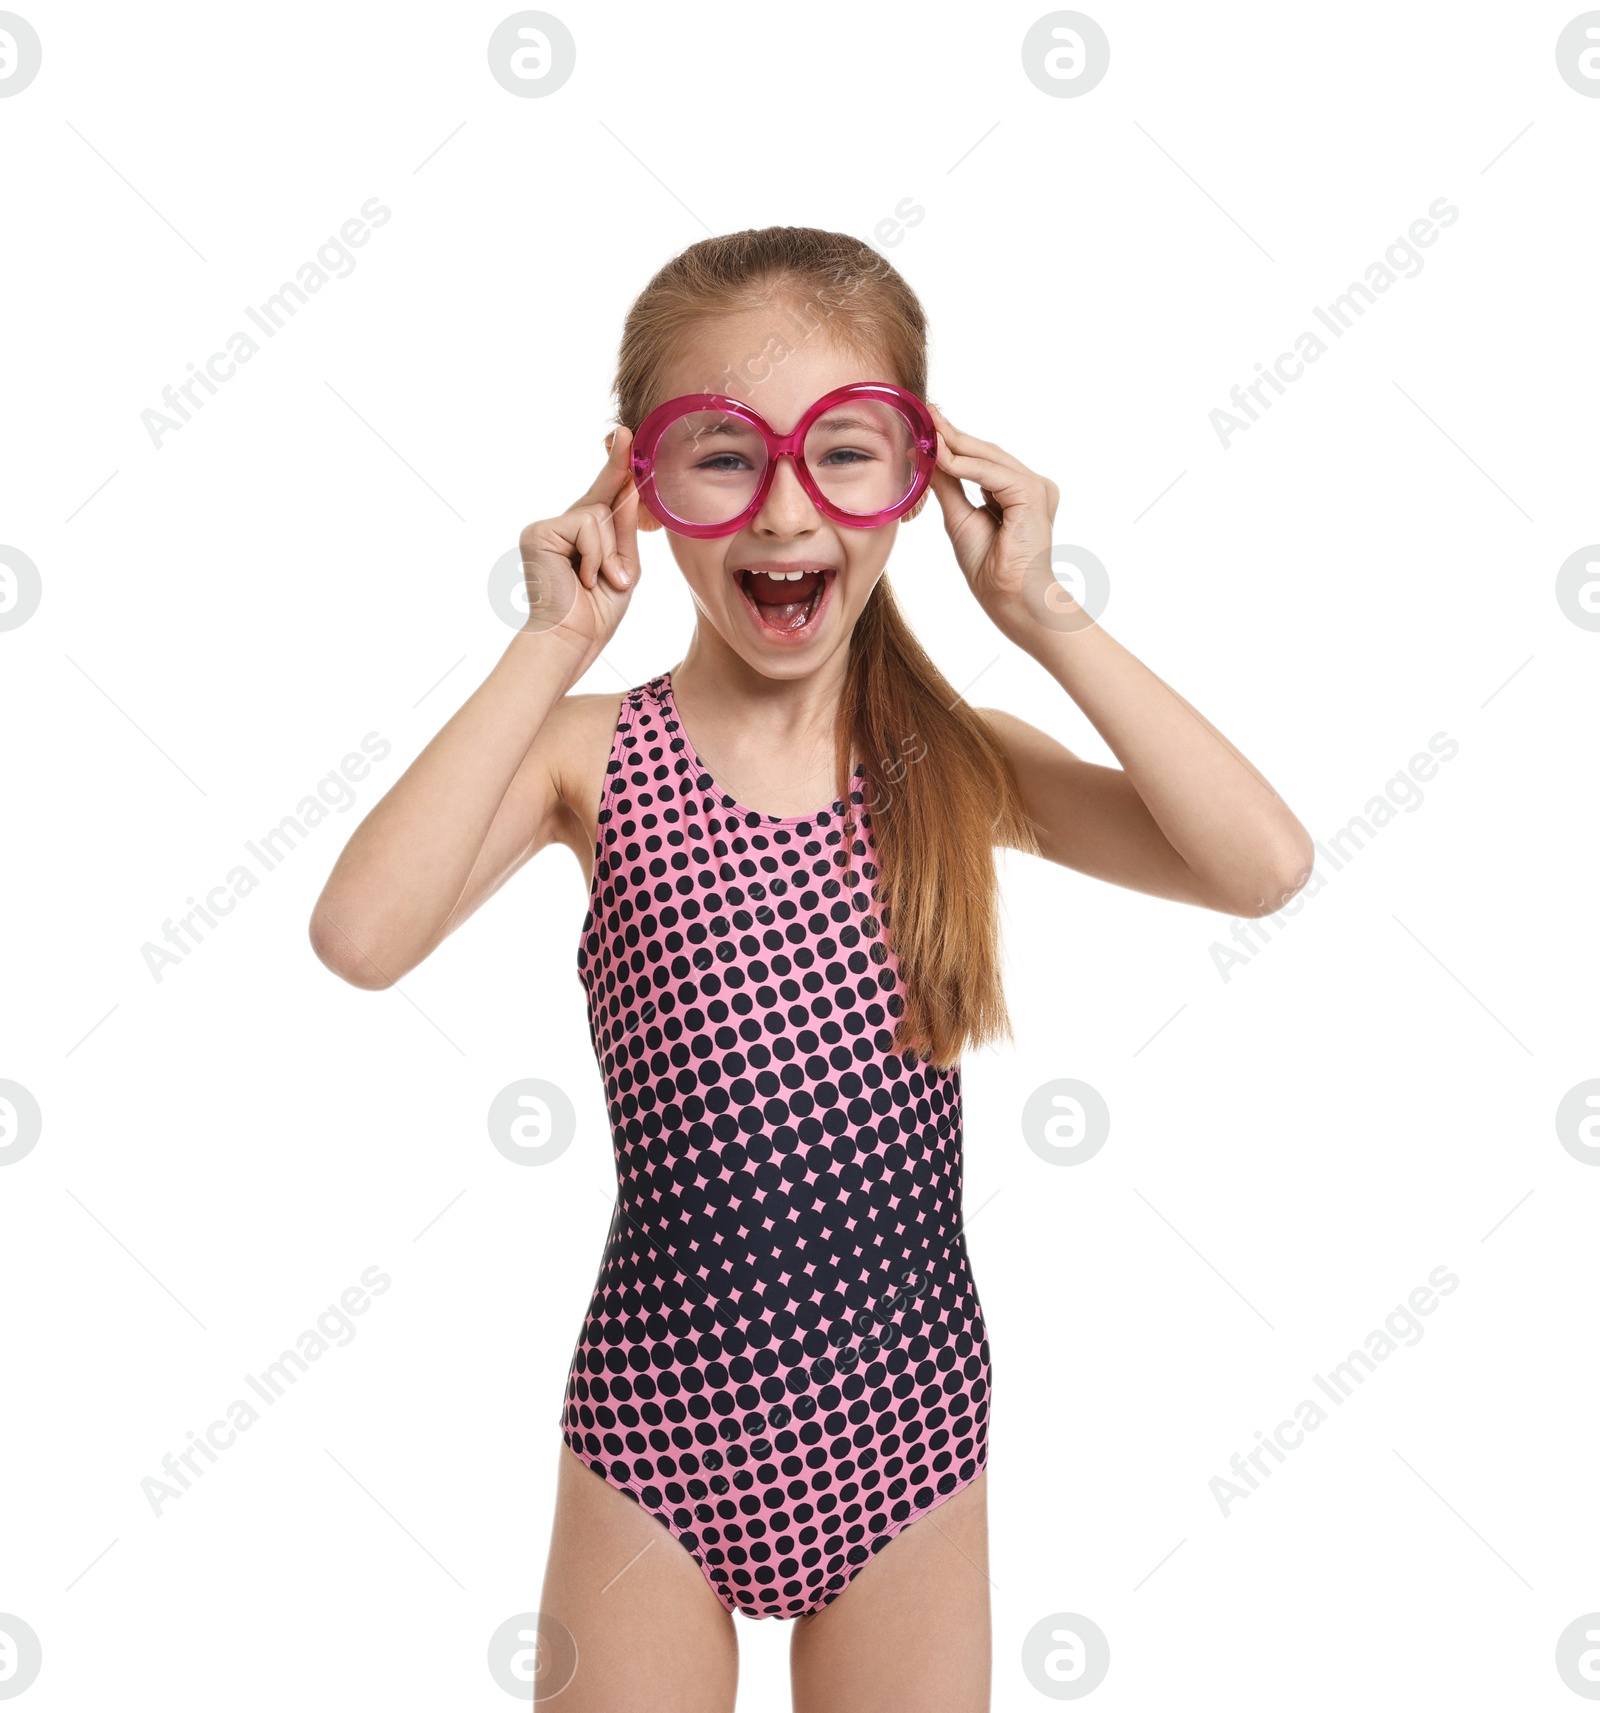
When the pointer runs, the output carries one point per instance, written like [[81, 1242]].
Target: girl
[[779, 1400]]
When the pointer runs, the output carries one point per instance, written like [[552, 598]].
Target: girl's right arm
[[486, 793]]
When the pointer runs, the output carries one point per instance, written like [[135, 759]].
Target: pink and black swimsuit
[[784, 1359]]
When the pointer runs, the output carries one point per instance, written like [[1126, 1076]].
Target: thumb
[[625, 515], [614, 473]]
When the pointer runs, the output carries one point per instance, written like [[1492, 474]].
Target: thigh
[[649, 1631], [911, 1633]]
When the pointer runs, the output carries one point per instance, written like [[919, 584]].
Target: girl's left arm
[[1187, 816]]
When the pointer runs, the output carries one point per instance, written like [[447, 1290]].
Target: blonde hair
[[937, 815]]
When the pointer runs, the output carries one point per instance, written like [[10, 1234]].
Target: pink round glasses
[[703, 463]]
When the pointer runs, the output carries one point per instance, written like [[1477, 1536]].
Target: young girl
[[779, 1400]]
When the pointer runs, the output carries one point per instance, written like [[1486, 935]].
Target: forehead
[[766, 358]]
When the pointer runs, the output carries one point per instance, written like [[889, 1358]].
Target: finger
[[585, 534], [625, 519], [953, 501], [625, 506], [1010, 486], [612, 566], [591, 548], [608, 536], [971, 445], [586, 531]]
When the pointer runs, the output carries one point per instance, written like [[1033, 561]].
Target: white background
[[225, 1150]]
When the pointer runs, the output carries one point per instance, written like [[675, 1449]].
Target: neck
[[770, 742], [724, 688]]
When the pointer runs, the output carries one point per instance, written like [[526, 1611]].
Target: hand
[[581, 568], [1002, 546]]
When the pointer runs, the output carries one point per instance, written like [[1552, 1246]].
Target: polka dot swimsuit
[[784, 1359]]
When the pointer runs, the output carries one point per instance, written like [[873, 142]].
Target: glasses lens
[[862, 454], [708, 465]]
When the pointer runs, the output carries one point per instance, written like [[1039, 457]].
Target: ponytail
[[940, 794]]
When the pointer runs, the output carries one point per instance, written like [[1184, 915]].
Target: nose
[[787, 510]]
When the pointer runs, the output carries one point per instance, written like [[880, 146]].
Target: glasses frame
[[649, 433]]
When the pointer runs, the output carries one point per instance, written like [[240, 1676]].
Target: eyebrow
[[724, 425], [860, 424], [837, 422]]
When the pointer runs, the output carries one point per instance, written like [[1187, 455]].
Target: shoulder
[[575, 745], [1000, 724], [1022, 743], [588, 715], [578, 732], [1053, 785]]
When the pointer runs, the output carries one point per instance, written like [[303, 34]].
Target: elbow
[[336, 950], [1278, 882]]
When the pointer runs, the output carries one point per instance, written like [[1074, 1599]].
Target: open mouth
[[787, 601]]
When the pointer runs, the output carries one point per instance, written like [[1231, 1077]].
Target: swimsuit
[[784, 1359]]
